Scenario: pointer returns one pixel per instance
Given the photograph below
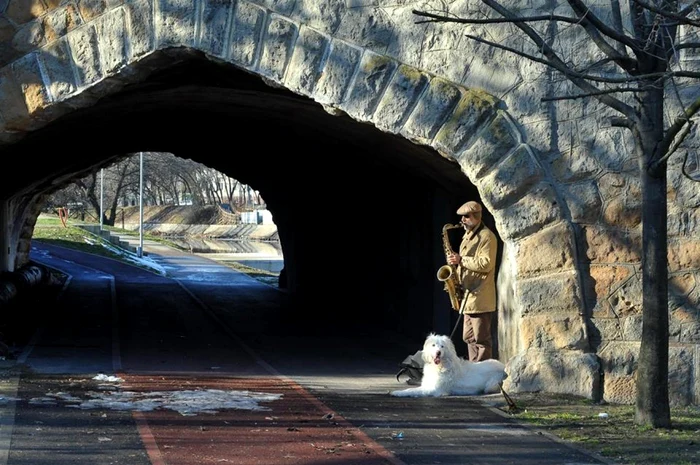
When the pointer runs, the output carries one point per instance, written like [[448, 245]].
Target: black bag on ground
[[412, 366]]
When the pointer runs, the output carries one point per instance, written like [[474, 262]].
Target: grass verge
[[609, 430]]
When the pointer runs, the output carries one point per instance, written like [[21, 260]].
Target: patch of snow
[[187, 403]]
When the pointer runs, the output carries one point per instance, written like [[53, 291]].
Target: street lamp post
[[140, 250], [102, 196]]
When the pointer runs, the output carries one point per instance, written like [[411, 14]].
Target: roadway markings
[[369, 442]]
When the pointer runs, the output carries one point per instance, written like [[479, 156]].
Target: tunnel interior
[[359, 211]]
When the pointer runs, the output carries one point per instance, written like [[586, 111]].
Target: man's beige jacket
[[477, 270]]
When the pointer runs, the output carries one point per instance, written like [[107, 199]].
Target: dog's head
[[438, 348]]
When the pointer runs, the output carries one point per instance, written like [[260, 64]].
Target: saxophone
[[448, 273]]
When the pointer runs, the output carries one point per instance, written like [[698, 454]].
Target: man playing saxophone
[[476, 267]]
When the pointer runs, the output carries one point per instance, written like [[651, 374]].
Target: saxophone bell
[[446, 274]]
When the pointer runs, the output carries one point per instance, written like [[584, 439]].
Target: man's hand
[[453, 259]]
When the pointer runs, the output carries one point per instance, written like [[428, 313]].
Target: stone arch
[[110, 46]]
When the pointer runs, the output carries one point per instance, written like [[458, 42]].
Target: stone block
[[370, 28], [91, 9], [472, 113], [683, 255], [141, 29], [558, 293], [279, 6], [583, 201], [28, 38], [85, 53], [620, 364], [603, 245], [493, 143], [534, 211], [399, 99], [547, 251], [554, 331], [23, 11], [111, 36], [307, 61], [7, 33], [683, 223], [511, 178], [27, 74], [175, 23], [563, 372], [373, 76], [60, 21], [631, 327], [337, 73], [58, 68], [214, 27], [434, 107], [627, 298], [277, 47], [575, 164], [246, 29], [605, 330], [622, 212], [599, 284], [681, 295], [323, 16], [690, 332]]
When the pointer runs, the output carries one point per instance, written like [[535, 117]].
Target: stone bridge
[[394, 124]]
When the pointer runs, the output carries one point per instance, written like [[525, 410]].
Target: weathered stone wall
[[560, 181]]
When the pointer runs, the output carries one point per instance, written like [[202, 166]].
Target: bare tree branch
[[439, 18], [614, 90], [594, 27], [672, 149], [677, 132], [684, 73], [554, 61], [566, 69], [686, 173], [621, 59], [689, 9], [680, 17], [620, 122], [687, 45]]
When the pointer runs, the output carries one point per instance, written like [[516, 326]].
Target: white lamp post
[[140, 250]]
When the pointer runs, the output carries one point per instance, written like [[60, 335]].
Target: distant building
[[257, 217]]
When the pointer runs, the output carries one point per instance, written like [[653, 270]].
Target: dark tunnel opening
[[359, 211]]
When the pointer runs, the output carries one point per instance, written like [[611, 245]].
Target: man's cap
[[469, 207]]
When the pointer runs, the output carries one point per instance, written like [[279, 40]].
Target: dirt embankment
[[173, 214], [194, 221]]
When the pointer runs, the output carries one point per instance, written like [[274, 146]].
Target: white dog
[[445, 373]]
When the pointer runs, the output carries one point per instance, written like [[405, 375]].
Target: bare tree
[[636, 73], [117, 179], [167, 180]]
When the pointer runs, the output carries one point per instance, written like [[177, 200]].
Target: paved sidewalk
[[353, 373], [350, 375]]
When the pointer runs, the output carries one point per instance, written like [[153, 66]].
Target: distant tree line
[[167, 180]]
